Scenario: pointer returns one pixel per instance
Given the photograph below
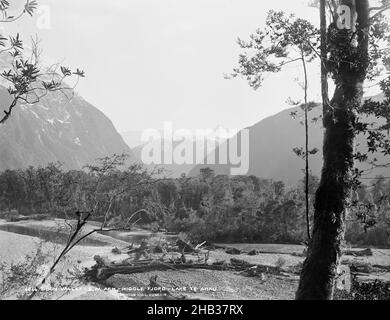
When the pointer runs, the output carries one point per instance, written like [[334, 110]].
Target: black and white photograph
[[194, 150]]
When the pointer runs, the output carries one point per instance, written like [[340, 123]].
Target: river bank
[[210, 284]]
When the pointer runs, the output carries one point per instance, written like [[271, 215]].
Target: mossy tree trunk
[[348, 63]]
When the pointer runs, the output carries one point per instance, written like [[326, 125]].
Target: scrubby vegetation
[[207, 207], [20, 274]]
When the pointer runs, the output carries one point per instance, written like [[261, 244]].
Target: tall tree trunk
[[306, 149], [324, 53], [348, 64]]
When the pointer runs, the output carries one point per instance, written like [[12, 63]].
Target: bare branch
[[380, 11]]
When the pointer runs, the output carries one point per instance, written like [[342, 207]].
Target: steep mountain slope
[[271, 142], [56, 129], [132, 138]]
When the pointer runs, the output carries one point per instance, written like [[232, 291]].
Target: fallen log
[[233, 251], [359, 267], [362, 253], [237, 263], [101, 272], [382, 268], [365, 268]]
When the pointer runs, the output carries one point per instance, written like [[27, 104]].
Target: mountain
[[71, 131], [132, 138], [271, 144], [213, 138]]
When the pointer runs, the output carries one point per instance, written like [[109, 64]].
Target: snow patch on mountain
[[70, 131]]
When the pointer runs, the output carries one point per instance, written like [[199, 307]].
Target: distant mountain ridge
[[271, 143], [215, 137], [71, 131]]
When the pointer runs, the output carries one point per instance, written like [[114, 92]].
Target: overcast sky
[[150, 61]]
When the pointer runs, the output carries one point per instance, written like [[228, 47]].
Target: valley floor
[[210, 284]]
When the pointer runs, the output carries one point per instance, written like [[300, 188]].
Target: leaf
[[4, 5], [314, 151], [299, 152], [66, 71], [79, 73], [30, 7]]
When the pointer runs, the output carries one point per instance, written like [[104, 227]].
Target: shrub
[[15, 278]]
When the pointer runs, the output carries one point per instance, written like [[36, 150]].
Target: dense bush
[[207, 207]]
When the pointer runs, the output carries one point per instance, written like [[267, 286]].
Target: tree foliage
[[206, 207], [28, 80]]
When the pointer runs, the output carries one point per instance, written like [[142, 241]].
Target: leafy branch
[[135, 177], [29, 82]]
